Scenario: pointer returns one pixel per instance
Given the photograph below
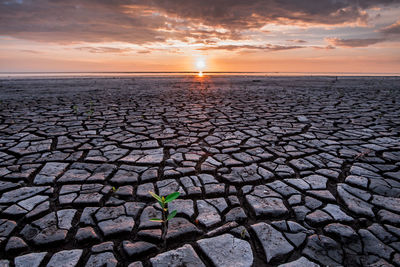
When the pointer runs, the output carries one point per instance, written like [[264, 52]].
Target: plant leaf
[[156, 220], [171, 215], [155, 196], [171, 197]]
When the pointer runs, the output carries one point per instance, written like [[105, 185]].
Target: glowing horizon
[[168, 36]]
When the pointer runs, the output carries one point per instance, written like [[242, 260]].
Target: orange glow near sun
[[200, 65]]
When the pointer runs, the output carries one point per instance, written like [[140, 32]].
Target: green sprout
[[163, 201], [166, 215], [113, 189]]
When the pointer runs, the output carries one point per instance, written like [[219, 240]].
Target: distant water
[[157, 74]]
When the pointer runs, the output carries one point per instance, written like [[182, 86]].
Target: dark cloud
[[387, 34], [268, 47], [392, 29], [298, 41], [144, 52], [255, 13], [145, 21], [78, 21], [328, 47], [239, 14], [354, 42]]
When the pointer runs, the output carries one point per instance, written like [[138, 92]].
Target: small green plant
[[166, 215], [163, 201], [113, 189]]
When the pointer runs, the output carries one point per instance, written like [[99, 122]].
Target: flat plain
[[272, 171]]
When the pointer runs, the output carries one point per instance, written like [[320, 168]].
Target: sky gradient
[[174, 35]]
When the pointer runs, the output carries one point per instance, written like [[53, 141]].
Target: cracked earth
[[272, 171]]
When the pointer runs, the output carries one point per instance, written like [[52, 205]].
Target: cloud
[[78, 21], [144, 52], [328, 47], [354, 42], [385, 34], [29, 51], [104, 49], [256, 13], [267, 47], [298, 41], [150, 21], [392, 29]]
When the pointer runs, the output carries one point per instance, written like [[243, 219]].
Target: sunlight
[[200, 64]]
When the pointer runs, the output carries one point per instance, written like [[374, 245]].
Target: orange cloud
[[91, 49]]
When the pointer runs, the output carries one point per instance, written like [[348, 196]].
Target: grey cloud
[[354, 42], [392, 29], [146, 21], [386, 34], [297, 41], [268, 47], [327, 47], [255, 13], [77, 21]]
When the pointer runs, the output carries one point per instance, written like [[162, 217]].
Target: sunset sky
[[175, 35]]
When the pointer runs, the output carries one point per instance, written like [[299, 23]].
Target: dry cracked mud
[[272, 171]]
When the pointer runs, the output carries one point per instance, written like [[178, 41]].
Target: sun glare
[[200, 64]]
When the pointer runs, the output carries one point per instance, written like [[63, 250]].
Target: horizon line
[[190, 72]]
